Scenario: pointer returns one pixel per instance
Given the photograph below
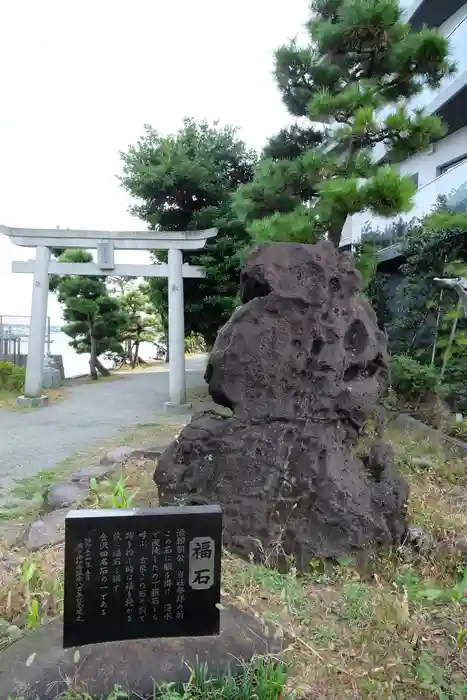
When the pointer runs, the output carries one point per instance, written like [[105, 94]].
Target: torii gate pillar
[[177, 388], [37, 330]]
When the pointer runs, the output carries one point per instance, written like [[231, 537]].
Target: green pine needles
[[349, 87]]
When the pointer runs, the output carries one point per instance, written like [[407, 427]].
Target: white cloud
[[79, 80]]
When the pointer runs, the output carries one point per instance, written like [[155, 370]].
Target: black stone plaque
[[134, 574]]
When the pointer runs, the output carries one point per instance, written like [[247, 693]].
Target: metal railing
[[14, 335]]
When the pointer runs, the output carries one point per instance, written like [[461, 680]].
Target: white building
[[444, 167]]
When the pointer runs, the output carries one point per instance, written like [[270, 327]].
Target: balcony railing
[[448, 184]]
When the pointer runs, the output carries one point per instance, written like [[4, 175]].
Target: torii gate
[[106, 242]]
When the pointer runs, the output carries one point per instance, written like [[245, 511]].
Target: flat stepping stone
[[10, 533], [93, 471], [65, 495], [117, 456], [46, 532], [135, 665]]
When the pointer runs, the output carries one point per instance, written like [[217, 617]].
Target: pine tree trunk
[[334, 235], [100, 367], [134, 359], [93, 357]]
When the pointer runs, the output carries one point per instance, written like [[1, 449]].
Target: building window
[[414, 178], [452, 164]]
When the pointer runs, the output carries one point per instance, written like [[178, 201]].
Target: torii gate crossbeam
[[106, 242]]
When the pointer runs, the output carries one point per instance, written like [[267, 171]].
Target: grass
[[8, 399], [261, 680], [55, 395], [436, 478], [391, 626]]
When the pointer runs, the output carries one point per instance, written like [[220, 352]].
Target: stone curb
[[403, 420]]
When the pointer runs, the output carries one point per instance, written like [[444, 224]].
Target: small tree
[[141, 323], [120, 285], [185, 181], [93, 318], [361, 58]]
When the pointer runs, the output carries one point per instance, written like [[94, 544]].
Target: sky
[[78, 81]]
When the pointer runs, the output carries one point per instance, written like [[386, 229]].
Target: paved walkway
[[35, 440]]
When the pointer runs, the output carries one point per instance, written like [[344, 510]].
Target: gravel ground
[[31, 441]]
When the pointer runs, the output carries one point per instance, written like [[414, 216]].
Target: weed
[[324, 636], [33, 618], [262, 680], [435, 679], [457, 429], [29, 578], [355, 603], [32, 592], [457, 593], [29, 486], [118, 693], [118, 497]]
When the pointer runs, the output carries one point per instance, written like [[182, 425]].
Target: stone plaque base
[[177, 408], [135, 665], [32, 401]]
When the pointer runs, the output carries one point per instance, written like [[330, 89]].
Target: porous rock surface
[[301, 365]]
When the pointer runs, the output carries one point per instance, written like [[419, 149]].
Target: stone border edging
[[403, 420]]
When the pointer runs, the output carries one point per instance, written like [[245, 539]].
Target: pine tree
[[360, 59], [93, 318], [185, 181], [141, 322]]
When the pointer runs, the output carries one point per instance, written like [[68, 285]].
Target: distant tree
[[141, 323], [120, 285], [186, 181], [361, 57], [93, 318]]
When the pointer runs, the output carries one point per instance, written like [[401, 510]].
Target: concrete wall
[[427, 165], [21, 360]]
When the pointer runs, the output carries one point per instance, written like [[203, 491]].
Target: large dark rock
[[301, 365]]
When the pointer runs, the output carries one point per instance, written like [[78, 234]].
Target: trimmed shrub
[[11, 377], [194, 343], [457, 429], [411, 380]]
